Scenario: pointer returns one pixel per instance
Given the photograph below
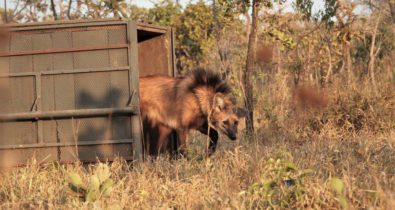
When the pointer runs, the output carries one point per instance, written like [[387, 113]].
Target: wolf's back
[[201, 77]]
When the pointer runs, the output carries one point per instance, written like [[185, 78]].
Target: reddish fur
[[156, 106], [181, 104]]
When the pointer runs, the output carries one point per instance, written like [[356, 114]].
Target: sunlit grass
[[243, 175], [338, 156]]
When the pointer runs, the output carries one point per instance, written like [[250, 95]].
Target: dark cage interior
[[70, 89]]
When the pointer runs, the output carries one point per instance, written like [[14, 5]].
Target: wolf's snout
[[232, 135]]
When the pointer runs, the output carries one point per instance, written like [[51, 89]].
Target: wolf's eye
[[226, 122], [236, 122]]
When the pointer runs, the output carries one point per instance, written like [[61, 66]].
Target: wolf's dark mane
[[192, 81], [202, 77]]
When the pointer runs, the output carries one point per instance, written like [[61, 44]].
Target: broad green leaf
[[94, 183], [102, 171], [92, 195], [75, 182], [337, 185], [343, 202], [107, 187]]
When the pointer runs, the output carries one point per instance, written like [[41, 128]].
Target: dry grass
[[327, 143], [241, 175], [291, 164]]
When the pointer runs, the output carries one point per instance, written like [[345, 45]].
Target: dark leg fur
[[163, 141], [156, 138], [182, 140], [213, 134]]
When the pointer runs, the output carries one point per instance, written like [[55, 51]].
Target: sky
[[318, 4], [150, 3]]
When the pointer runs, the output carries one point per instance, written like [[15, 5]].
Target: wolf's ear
[[219, 102], [241, 112]]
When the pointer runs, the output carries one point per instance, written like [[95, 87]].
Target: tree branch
[[392, 9], [69, 9], [5, 11], [373, 54], [55, 15]]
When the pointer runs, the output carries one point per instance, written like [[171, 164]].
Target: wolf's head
[[225, 115], [214, 98]]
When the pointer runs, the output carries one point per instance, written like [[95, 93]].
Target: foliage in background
[[323, 91]]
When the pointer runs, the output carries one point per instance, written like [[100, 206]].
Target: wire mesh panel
[[73, 92]]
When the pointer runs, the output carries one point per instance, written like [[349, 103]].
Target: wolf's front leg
[[213, 134], [182, 139]]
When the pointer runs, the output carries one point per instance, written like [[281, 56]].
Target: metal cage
[[70, 88]]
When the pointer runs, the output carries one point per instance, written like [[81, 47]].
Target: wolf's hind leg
[[164, 133]]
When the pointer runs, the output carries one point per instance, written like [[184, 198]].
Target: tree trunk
[[114, 5], [248, 24], [69, 9], [216, 22], [350, 75], [250, 68], [329, 72], [372, 56], [392, 9], [5, 12], [55, 15], [61, 9]]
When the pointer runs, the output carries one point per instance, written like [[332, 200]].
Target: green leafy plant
[[282, 183], [95, 186], [337, 186]]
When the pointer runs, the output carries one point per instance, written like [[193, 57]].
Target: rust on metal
[[58, 72], [39, 115], [67, 28], [65, 144], [72, 88], [151, 28], [77, 49], [62, 22]]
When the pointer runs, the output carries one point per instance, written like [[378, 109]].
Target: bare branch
[[392, 9], [5, 11], [55, 15], [18, 11], [69, 9], [373, 54]]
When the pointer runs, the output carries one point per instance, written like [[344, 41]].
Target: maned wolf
[[177, 105]]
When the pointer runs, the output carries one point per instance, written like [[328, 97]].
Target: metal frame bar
[[173, 53], [39, 115], [69, 71], [40, 127], [151, 28], [80, 23], [134, 78], [85, 161], [72, 29], [67, 144], [63, 22], [63, 50], [60, 25]]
